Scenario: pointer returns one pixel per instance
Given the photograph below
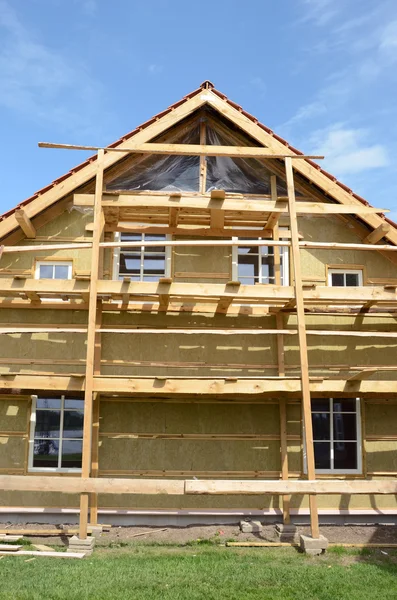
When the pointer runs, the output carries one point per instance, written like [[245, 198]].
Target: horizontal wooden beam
[[185, 150], [229, 204], [174, 487], [25, 223], [184, 387], [271, 294], [291, 487]]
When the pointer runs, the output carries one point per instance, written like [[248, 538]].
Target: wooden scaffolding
[[206, 216]]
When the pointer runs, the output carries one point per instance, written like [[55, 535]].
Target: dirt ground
[[359, 534]]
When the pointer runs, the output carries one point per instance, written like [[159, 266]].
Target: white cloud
[[388, 40], [39, 82], [347, 150], [320, 12], [89, 7], [154, 69]]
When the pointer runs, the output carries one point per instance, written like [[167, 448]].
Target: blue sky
[[322, 73]]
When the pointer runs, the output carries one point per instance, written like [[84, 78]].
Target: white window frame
[[116, 258], [284, 260], [58, 469], [359, 445], [54, 263], [345, 272]]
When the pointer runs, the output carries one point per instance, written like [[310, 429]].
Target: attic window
[[256, 264], [142, 263], [345, 277]]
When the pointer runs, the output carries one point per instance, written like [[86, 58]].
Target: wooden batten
[[25, 223]]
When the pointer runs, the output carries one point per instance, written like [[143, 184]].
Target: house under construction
[[198, 322]]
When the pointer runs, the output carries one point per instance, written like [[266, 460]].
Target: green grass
[[202, 572]]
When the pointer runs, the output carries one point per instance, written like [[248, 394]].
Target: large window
[[345, 278], [255, 264], [337, 435], [142, 263], [56, 434], [54, 270]]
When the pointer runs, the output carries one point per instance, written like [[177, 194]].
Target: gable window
[[142, 263], [255, 264], [54, 270], [56, 434], [345, 277], [337, 435]]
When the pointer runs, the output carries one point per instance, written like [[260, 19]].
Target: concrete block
[[313, 546], [96, 530], [78, 545], [251, 526], [287, 533]]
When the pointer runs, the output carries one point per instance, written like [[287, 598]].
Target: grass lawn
[[206, 572]]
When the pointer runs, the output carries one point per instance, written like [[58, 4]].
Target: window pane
[[267, 267], [248, 250], [73, 424], [338, 279], [48, 403], [61, 272], [352, 279], [345, 427], [74, 403], [345, 455], [46, 272], [131, 237], [321, 426], [48, 423], [322, 455], [130, 264], [320, 405], [154, 264], [153, 237], [248, 266], [152, 277], [45, 453], [71, 454], [345, 405]]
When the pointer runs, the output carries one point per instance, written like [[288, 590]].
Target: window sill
[[50, 470]]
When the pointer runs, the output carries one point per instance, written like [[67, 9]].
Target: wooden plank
[[46, 554], [91, 338], [25, 223], [356, 486], [10, 547], [303, 352], [237, 389], [377, 234], [86, 485], [185, 150], [105, 485], [229, 203]]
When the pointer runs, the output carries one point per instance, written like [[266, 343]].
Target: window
[[54, 270], [345, 278], [255, 264], [56, 434], [336, 435], [142, 263]]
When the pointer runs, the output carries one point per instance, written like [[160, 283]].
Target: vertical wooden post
[[203, 159], [300, 312], [283, 420], [91, 332], [281, 364], [95, 412]]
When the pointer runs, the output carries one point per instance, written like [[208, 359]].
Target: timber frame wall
[[97, 294]]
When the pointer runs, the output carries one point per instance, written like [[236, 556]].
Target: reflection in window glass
[[336, 433], [143, 263], [57, 431]]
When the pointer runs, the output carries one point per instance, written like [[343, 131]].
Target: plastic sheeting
[[182, 173]]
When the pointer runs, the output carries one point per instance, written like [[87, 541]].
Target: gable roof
[[205, 94]]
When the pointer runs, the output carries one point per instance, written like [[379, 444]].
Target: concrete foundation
[[78, 545], [313, 546]]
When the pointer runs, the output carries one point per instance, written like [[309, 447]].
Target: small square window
[[345, 278], [54, 270]]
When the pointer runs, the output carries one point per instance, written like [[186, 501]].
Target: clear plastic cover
[[182, 173]]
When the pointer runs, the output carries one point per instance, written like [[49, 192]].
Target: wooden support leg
[[96, 264], [300, 312]]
